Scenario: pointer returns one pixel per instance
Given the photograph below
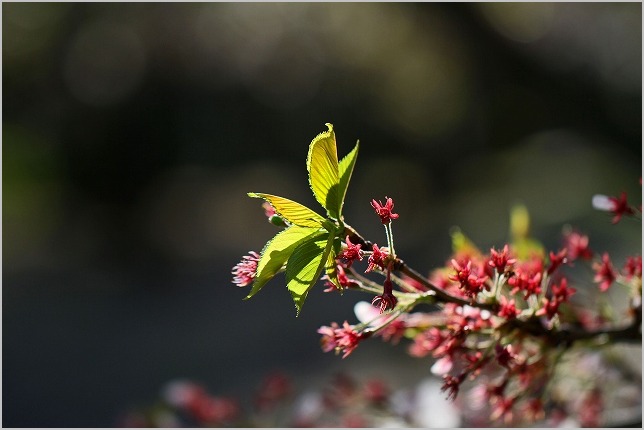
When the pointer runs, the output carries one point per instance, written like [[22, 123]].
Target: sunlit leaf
[[322, 165], [276, 252], [291, 211], [345, 169], [305, 266]]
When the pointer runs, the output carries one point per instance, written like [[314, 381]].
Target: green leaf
[[291, 211], [331, 269], [461, 244], [276, 252], [305, 266], [322, 165], [524, 246], [345, 169], [519, 222]]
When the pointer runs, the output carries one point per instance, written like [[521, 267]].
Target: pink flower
[[526, 280], [451, 384], [387, 300], [465, 319], [351, 253], [557, 260], [495, 392], [344, 338], [562, 291], [343, 279], [273, 217], [550, 307], [195, 400], [475, 363], [617, 205], [471, 283], [633, 267], [328, 341], [394, 331], [500, 259], [246, 269], [377, 258], [269, 210], [577, 246], [508, 308], [384, 212], [503, 409], [604, 273], [560, 294], [453, 343], [426, 342]]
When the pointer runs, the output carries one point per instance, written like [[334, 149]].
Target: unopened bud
[[277, 220]]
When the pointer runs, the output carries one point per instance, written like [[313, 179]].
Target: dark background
[[132, 132]]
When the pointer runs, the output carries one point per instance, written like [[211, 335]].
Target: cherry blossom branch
[[402, 267], [533, 326], [439, 293]]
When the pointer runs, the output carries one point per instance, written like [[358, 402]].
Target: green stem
[[390, 240]]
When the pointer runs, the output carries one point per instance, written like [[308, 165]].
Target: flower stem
[[390, 240]]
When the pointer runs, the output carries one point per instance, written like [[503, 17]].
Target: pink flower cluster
[[515, 365], [340, 339], [244, 271], [471, 282]]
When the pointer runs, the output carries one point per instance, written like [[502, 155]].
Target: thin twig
[[439, 293]]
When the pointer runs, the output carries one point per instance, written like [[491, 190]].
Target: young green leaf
[[276, 252], [291, 211], [345, 169], [305, 248], [305, 266], [322, 165]]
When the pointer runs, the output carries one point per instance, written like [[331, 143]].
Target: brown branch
[[631, 333], [568, 335]]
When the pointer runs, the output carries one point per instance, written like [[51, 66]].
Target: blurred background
[[131, 134]]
